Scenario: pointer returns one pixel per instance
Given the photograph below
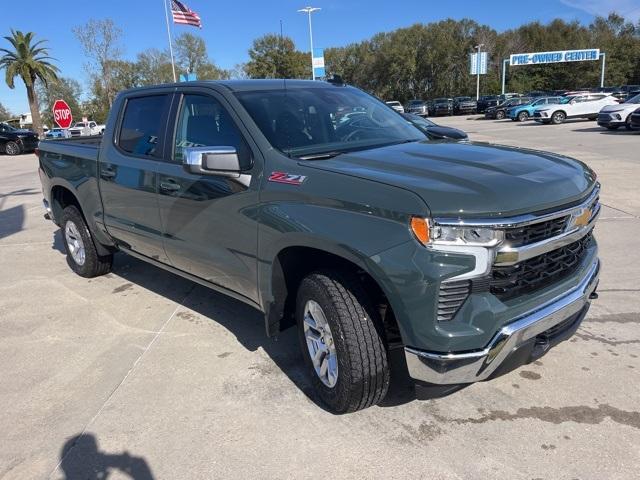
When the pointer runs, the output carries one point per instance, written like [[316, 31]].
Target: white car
[[86, 129], [614, 116], [587, 105], [397, 106]]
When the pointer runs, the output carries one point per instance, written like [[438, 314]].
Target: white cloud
[[630, 9]]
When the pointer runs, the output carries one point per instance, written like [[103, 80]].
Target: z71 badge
[[288, 178]]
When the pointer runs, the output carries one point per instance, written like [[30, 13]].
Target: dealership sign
[[554, 57]]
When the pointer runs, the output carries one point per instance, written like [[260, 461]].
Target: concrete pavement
[[143, 374]]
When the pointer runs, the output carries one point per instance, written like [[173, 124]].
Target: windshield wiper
[[321, 156]]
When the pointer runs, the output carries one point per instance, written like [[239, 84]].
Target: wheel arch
[[62, 196], [293, 263]]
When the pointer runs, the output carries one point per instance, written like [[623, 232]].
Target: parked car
[[635, 119], [578, 106], [628, 91], [85, 129], [55, 133], [441, 106], [418, 107], [464, 106], [14, 141], [521, 113], [432, 130], [397, 106], [468, 258], [487, 101], [499, 112], [616, 116]]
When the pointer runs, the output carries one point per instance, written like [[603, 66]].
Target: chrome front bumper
[[469, 367]]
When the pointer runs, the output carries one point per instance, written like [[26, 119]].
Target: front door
[[128, 176], [210, 228]]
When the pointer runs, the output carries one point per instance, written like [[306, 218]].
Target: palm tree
[[31, 62]]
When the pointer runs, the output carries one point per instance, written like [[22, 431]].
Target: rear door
[[210, 228], [128, 174]]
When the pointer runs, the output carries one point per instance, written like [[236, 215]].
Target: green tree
[[154, 67], [67, 89], [272, 56], [30, 61], [192, 57]]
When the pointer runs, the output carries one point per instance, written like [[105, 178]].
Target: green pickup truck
[[321, 206]]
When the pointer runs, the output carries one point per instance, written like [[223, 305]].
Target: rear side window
[[142, 124]]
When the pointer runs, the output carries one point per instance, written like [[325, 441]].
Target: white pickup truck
[[586, 105], [86, 128]]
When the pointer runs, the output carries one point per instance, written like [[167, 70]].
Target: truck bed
[[82, 147]]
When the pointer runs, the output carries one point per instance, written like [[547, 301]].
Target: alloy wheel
[[74, 243], [320, 344]]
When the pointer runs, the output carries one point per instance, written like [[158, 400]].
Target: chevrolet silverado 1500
[[319, 205]]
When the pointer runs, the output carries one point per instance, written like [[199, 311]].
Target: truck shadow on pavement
[[80, 458], [247, 325]]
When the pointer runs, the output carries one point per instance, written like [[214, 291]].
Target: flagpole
[[166, 15]]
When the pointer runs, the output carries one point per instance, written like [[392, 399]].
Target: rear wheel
[[82, 255], [12, 148], [558, 117], [523, 116], [341, 342]]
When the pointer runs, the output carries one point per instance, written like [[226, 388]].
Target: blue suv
[[521, 113]]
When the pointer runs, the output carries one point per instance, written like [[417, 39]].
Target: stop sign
[[62, 114]]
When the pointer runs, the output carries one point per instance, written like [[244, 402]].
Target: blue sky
[[230, 27]]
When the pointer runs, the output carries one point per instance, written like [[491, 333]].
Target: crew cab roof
[[243, 85]]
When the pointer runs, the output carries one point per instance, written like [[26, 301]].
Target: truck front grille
[[519, 236], [511, 281], [451, 297]]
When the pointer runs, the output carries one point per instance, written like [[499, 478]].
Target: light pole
[[309, 11], [478, 70]]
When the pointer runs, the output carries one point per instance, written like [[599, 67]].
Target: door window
[[142, 122], [204, 122]]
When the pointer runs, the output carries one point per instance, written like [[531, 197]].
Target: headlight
[[478, 242], [429, 233]]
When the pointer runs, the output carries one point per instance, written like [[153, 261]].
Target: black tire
[[94, 265], [558, 117], [363, 369], [612, 127], [12, 148], [500, 115], [523, 116], [627, 123]]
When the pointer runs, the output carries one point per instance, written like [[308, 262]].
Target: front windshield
[[314, 120], [441, 100], [635, 99], [5, 127], [416, 102], [463, 99], [80, 125]]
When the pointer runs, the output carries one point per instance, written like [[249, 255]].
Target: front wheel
[[12, 148], [500, 115], [523, 116], [82, 255], [340, 337], [627, 123], [612, 127], [558, 118]]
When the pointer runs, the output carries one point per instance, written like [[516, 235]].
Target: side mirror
[[212, 161]]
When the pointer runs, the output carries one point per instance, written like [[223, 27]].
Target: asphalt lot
[[142, 371]]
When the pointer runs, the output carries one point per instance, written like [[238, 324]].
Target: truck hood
[[470, 179]]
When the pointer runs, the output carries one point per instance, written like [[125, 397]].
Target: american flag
[[183, 15]]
